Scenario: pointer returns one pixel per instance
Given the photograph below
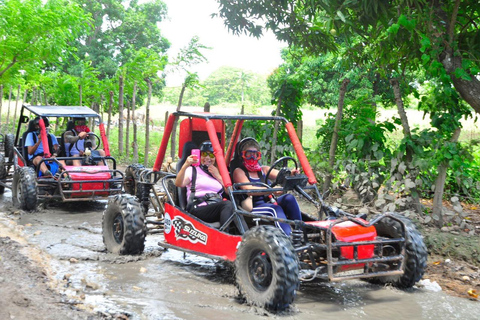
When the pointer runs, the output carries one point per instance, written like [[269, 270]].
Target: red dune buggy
[[331, 245], [96, 178]]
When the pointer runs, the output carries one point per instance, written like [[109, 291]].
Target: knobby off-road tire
[[9, 144], [24, 189], [415, 256], [123, 225], [3, 172], [266, 268]]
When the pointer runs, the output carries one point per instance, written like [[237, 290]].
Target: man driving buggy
[[80, 138]]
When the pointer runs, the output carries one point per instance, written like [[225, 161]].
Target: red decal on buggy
[[184, 230]]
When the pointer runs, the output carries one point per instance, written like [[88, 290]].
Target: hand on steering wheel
[[284, 171], [97, 144]]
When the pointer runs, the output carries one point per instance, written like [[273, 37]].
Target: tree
[[441, 33], [186, 58], [34, 33], [121, 28]]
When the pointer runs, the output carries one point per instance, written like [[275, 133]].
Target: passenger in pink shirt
[[207, 203]]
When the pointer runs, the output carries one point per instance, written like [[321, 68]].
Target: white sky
[[187, 18]]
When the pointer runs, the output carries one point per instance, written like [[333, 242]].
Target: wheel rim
[[117, 228], [18, 190], [260, 270]]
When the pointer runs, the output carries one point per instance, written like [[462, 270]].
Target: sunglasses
[[208, 154], [251, 154]]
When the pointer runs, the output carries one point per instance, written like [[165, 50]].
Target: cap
[[206, 146], [45, 120]]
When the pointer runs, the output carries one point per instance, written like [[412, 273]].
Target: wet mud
[[66, 239]]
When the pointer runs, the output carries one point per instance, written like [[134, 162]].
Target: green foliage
[[121, 29], [35, 33]]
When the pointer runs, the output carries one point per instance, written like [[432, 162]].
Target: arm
[[181, 180], [70, 138]]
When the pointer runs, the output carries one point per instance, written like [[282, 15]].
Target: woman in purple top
[[208, 187]]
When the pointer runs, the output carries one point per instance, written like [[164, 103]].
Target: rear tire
[[123, 225], [24, 189], [266, 268], [9, 144], [131, 180], [415, 256], [3, 172]]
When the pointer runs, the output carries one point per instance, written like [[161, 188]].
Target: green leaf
[[341, 16], [393, 29]]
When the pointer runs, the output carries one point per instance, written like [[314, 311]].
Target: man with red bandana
[[285, 206], [75, 140]]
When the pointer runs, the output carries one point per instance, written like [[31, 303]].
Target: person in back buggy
[[79, 137], [34, 145], [204, 199]]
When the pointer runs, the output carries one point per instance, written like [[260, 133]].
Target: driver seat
[[63, 151]]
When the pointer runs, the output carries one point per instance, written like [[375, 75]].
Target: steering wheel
[[97, 144], [283, 172]]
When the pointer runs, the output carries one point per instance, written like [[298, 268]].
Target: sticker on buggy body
[[167, 223], [185, 230]]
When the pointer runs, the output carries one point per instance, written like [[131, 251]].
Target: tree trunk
[[25, 96], [300, 129], [147, 122], [120, 115], [206, 107], [8, 107], [16, 108], [34, 96], [437, 211], [406, 131], [173, 139], [127, 138], [336, 128], [275, 130], [135, 143], [1, 104], [45, 98], [80, 94], [109, 118]]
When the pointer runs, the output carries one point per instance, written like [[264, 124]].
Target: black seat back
[[182, 191], [30, 128]]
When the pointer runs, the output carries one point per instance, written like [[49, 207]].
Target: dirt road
[[54, 266]]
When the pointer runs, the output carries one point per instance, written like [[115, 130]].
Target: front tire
[[266, 268], [24, 189], [415, 252], [123, 225]]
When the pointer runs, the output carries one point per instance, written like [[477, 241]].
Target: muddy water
[[170, 285]]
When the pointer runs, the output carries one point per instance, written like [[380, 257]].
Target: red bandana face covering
[[82, 129], [252, 165]]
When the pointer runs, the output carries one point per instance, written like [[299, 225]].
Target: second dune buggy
[[95, 178]]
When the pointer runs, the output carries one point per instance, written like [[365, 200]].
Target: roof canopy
[[62, 111]]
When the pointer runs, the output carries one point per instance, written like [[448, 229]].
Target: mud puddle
[[170, 285]]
